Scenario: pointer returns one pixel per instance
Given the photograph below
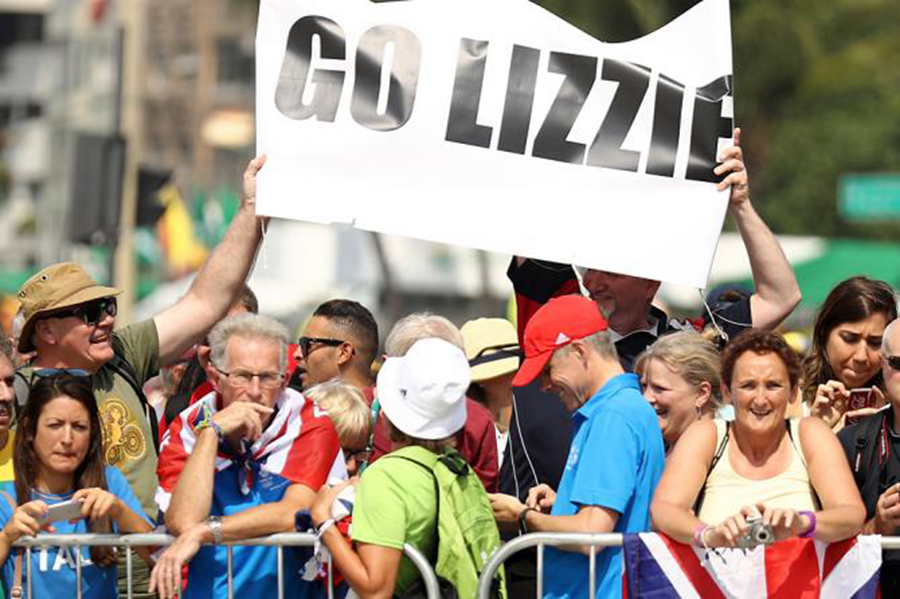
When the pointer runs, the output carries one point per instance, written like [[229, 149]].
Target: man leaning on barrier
[[872, 447], [616, 457], [239, 464]]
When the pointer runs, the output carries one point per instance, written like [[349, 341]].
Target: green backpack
[[467, 533]]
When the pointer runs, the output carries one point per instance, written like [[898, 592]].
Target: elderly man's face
[[251, 371], [567, 377], [7, 393], [82, 336], [892, 374]]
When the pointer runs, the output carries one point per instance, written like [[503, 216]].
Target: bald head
[[890, 338]]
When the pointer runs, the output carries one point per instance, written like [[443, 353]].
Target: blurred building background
[[125, 126]]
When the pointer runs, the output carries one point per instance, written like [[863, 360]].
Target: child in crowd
[[352, 418]]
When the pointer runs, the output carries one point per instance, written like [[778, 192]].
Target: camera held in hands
[[759, 534]]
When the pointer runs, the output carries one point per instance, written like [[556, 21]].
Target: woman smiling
[[790, 473], [680, 377]]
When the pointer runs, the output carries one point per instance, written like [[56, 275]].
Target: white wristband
[[320, 530]]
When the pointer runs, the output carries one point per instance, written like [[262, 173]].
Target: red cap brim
[[531, 368]]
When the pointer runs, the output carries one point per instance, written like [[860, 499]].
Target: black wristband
[[523, 525]]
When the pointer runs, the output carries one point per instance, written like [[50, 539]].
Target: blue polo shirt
[[615, 462], [255, 567]]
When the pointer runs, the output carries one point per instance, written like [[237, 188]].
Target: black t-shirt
[[873, 452], [540, 433]]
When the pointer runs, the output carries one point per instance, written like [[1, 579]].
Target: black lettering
[[708, 126], [606, 150], [404, 77], [462, 125], [295, 70], [523, 70], [666, 127], [550, 142]]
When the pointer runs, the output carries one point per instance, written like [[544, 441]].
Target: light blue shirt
[[54, 568], [615, 461]]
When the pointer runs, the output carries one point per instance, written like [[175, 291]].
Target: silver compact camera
[[759, 534]]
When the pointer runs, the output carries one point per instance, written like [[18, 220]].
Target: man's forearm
[[582, 522], [259, 521], [192, 497], [271, 518], [221, 278], [774, 280]]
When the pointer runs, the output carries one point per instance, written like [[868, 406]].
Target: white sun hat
[[423, 393]]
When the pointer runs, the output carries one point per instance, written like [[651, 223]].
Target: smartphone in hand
[[863, 397], [65, 510]]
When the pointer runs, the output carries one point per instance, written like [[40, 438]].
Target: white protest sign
[[500, 126]]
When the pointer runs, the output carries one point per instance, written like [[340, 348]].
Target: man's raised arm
[[777, 292], [219, 281]]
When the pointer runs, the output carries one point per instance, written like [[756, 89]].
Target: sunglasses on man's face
[[893, 362], [306, 343], [92, 312]]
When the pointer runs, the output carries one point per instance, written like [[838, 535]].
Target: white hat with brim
[[423, 393]]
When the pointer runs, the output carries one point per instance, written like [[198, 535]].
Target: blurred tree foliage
[[817, 94]]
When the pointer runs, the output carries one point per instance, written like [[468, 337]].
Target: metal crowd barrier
[[558, 539], [280, 541], [541, 540]]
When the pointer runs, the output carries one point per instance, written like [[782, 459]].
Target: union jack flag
[[299, 444], [660, 568]]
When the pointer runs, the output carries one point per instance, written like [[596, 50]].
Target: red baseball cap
[[556, 324]]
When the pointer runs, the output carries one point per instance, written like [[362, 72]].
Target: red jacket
[[476, 441]]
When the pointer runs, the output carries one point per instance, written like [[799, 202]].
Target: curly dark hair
[[851, 300], [760, 341]]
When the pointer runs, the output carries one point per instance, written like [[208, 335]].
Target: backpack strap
[[15, 590], [437, 497], [123, 368], [720, 451]]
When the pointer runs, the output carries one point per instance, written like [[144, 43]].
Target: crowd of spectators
[[597, 414]]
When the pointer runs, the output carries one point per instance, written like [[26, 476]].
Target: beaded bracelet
[[700, 535]]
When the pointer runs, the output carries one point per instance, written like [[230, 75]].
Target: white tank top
[[726, 491]]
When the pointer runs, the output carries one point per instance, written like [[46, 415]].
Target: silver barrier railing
[[541, 540], [559, 539], [279, 541]]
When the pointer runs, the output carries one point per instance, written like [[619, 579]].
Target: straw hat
[[492, 347]]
